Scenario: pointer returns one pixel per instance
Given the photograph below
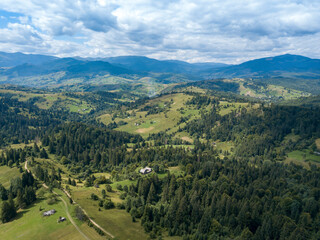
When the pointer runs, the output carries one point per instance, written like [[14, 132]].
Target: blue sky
[[229, 31], [8, 17]]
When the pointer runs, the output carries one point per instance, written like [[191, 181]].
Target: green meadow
[[30, 224]]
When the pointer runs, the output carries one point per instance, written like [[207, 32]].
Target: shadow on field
[[20, 214], [23, 211]]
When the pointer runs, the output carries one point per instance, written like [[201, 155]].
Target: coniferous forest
[[249, 191]]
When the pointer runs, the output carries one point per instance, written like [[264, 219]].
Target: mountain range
[[283, 65], [38, 70], [15, 59]]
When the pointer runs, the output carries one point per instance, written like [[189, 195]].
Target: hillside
[[244, 87], [290, 71], [272, 67], [90, 146]]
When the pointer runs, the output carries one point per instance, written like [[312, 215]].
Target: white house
[[49, 213], [145, 170], [61, 219]]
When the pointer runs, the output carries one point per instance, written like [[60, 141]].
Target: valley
[[225, 155]]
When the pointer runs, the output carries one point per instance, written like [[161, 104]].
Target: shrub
[[120, 206], [94, 197], [80, 214], [108, 188], [108, 204]]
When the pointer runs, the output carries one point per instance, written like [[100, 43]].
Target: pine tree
[[3, 193], [8, 210], [152, 195], [43, 154], [35, 148], [21, 202]]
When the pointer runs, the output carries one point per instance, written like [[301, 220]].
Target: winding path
[[89, 218], [65, 204], [69, 216]]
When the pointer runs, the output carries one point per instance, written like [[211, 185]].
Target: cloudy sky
[[229, 31]]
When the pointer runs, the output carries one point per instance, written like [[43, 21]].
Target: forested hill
[[23, 121], [87, 145], [220, 163], [229, 199], [257, 132]]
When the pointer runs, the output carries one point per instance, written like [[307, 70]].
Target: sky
[[227, 31]]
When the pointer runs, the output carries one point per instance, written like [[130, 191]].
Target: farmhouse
[[49, 213], [61, 219], [145, 170]]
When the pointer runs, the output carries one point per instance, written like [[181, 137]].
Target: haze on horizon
[[227, 31]]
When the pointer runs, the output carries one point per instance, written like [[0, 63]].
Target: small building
[[61, 219], [145, 170], [49, 213]]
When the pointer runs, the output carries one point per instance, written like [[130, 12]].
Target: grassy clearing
[[47, 100], [6, 174], [106, 175], [126, 182], [154, 123], [303, 158], [304, 155], [30, 224], [21, 145], [222, 147], [291, 137], [269, 92], [227, 107], [117, 222], [184, 136], [50, 99]]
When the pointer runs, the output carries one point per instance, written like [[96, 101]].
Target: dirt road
[[65, 204]]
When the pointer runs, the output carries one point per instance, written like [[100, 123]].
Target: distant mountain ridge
[[139, 63], [292, 71], [290, 65], [15, 59], [134, 63], [69, 65]]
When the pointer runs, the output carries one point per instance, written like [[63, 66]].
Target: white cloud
[[203, 30]]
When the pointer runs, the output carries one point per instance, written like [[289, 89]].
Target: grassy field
[[30, 224], [268, 91], [117, 222], [173, 170], [303, 158], [6, 174], [154, 123], [222, 147], [38, 227], [304, 155], [226, 107], [47, 100]]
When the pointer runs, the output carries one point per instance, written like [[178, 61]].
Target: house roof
[[145, 170]]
